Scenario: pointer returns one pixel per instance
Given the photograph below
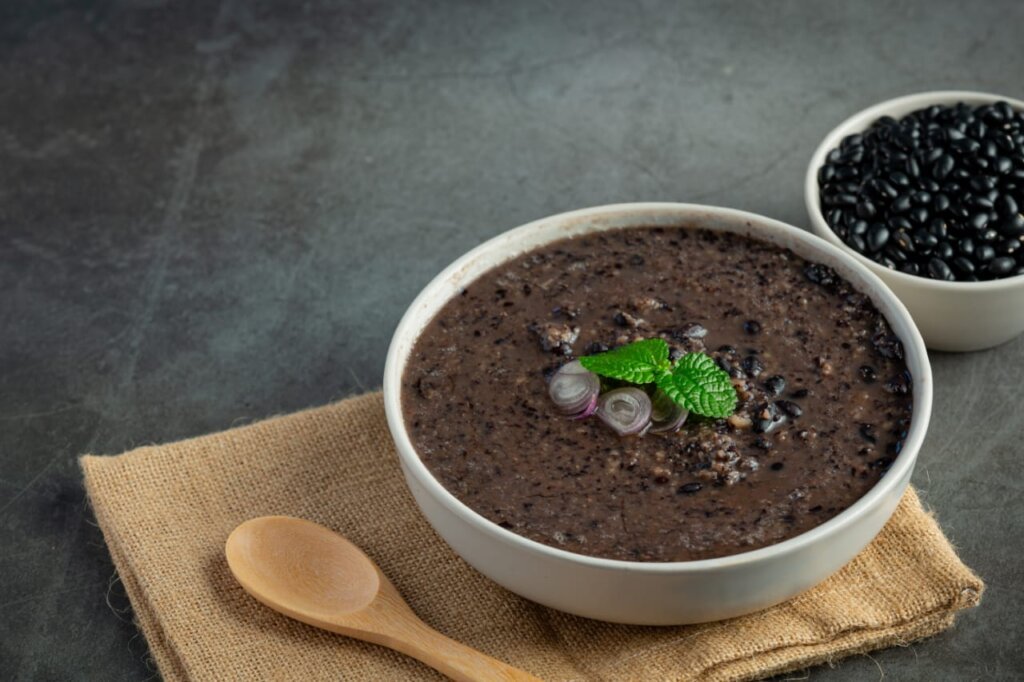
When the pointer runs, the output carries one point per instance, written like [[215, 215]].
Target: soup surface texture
[[824, 395]]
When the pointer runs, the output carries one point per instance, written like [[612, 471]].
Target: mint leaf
[[641, 362], [699, 385]]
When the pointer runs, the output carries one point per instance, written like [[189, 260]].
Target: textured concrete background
[[213, 213]]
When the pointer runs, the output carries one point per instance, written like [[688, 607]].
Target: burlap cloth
[[165, 512]]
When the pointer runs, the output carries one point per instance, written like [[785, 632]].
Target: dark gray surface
[[214, 213]]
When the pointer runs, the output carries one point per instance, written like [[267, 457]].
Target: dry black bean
[[1006, 205], [878, 235], [963, 265], [910, 268], [937, 193], [979, 221], [938, 269], [1002, 266], [938, 228], [984, 253]]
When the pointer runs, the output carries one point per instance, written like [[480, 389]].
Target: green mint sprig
[[694, 381]]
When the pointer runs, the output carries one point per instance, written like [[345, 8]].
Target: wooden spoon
[[314, 575]]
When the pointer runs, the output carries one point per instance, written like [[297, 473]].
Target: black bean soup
[[824, 395], [938, 193]]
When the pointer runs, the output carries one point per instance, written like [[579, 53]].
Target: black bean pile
[[938, 193]]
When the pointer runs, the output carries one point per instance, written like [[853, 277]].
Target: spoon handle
[[456, 660]]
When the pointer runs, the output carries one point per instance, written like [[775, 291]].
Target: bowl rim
[[859, 122], [412, 463]]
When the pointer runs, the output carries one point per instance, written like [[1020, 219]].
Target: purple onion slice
[[626, 410], [667, 416], [574, 390], [590, 409]]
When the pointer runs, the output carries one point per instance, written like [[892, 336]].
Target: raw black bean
[[899, 179], [978, 221], [904, 242], [866, 209], [834, 217], [938, 228], [894, 254], [963, 265], [752, 327], [942, 167], [899, 222], [924, 241], [886, 189], [984, 253], [1001, 267], [1013, 226], [938, 269], [937, 193], [982, 183], [1006, 205], [910, 268], [1008, 247], [878, 235], [689, 488], [826, 173]]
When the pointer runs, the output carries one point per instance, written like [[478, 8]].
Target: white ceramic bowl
[[953, 316], [646, 592]]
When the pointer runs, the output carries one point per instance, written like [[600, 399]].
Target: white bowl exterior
[[639, 592], [951, 316]]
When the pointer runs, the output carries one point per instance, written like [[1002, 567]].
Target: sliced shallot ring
[[574, 390], [588, 410], [626, 410], [667, 416]]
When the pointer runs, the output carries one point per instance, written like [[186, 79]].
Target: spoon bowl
[[288, 561], [316, 576]]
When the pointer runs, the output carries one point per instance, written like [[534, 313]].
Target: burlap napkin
[[165, 512]]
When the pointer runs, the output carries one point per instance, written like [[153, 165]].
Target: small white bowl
[[651, 593], [952, 316]]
